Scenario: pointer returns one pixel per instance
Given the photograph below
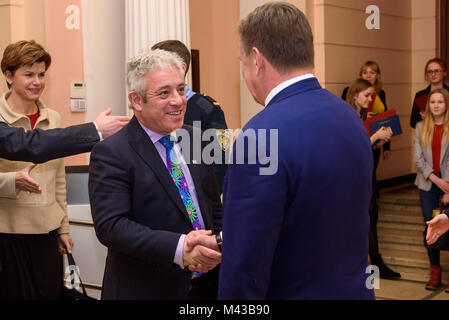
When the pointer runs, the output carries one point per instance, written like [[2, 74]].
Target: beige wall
[[213, 33], [344, 43]]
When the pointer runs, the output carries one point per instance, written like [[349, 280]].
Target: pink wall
[[213, 31], [66, 49]]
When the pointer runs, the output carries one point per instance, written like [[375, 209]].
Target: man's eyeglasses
[[437, 71]]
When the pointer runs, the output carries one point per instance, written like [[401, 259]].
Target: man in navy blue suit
[[150, 197], [298, 228]]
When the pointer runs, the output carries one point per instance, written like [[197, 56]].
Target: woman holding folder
[[432, 162], [360, 95], [370, 71]]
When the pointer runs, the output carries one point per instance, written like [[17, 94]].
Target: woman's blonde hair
[[428, 126], [373, 65]]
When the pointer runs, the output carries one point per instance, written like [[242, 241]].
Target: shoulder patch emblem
[[223, 138]]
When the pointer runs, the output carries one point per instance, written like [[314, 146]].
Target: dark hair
[[23, 53], [177, 47], [281, 32]]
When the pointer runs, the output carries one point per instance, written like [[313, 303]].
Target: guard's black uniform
[[205, 109]]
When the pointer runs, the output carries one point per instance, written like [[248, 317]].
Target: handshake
[[201, 252]]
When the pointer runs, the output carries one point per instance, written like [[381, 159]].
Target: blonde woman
[[435, 73], [432, 161], [370, 71], [33, 223], [360, 95]]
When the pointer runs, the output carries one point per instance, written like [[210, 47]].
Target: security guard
[[202, 108]]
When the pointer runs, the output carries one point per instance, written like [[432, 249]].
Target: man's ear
[[136, 100], [259, 60], [184, 67]]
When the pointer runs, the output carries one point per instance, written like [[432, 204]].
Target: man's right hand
[[201, 251], [108, 125], [24, 182], [436, 228]]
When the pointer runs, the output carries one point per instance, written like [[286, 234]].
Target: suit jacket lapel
[[145, 148]]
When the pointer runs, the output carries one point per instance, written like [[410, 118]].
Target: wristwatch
[[219, 238]]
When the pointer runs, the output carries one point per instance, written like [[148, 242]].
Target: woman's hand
[[24, 182], [65, 242], [422, 114], [386, 155], [445, 198], [383, 134], [443, 184]]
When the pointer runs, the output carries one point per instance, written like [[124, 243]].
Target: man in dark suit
[[151, 197], [43, 145], [202, 109], [296, 226]]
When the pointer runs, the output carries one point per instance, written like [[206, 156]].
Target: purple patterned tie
[[175, 170]]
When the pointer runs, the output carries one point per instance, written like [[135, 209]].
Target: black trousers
[[30, 267], [206, 286], [374, 255]]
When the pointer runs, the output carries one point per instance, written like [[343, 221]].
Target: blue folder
[[392, 122]]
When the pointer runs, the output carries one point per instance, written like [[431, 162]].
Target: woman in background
[[33, 224], [370, 71], [432, 162], [360, 95], [435, 72]]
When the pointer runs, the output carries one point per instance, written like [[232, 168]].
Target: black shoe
[[387, 273]]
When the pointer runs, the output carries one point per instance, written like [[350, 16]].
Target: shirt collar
[[189, 92], [154, 136], [286, 84]]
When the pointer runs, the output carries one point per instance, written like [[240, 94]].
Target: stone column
[[151, 21]]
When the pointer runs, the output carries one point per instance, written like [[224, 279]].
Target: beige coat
[[23, 213], [424, 161]]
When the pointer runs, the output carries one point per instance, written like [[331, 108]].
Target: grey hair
[[153, 60]]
